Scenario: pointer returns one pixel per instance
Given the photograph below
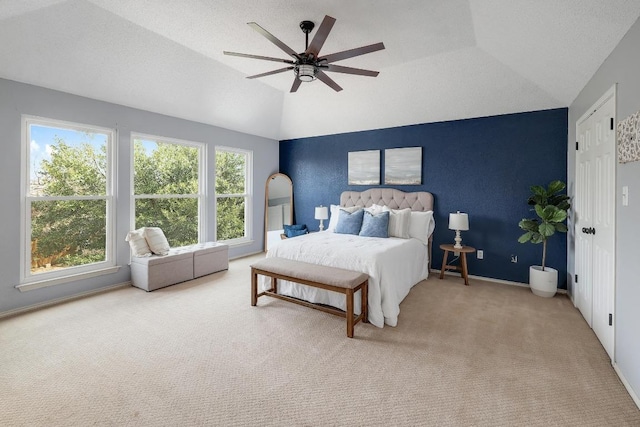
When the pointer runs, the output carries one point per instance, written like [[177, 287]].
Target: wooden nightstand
[[463, 261]]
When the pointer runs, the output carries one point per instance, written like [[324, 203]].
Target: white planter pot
[[543, 283]]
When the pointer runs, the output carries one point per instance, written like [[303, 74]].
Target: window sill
[[30, 286]]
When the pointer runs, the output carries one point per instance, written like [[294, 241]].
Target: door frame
[[612, 92]]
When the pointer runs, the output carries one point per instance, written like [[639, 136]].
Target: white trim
[[200, 196], [235, 243], [491, 279], [626, 384], [599, 103], [611, 93], [246, 255], [27, 279], [247, 195], [30, 286], [49, 303]]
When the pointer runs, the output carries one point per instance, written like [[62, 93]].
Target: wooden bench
[[318, 276]]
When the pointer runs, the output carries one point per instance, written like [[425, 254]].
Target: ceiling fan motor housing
[[306, 72]]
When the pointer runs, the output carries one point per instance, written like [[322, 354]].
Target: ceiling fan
[[309, 65]]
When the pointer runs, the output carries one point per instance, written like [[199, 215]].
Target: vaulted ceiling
[[444, 59]]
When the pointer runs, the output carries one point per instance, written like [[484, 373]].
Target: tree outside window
[[167, 187], [232, 193], [68, 197]]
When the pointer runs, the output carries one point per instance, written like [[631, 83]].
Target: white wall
[[17, 99], [622, 67]]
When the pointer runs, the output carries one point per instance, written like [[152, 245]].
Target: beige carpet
[[198, 354]]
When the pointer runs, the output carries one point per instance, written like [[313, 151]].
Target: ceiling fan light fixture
[[306, 72]]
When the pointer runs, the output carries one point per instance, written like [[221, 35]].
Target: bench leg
[[254, 288], [350, 313], [364, 305]]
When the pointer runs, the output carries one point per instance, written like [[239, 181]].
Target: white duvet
[[394, 266]]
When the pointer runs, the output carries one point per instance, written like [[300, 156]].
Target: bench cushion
[[333, 276]]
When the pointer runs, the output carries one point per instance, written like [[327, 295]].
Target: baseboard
[[491, 279], [49, 303], [246, 255], [626, 384]]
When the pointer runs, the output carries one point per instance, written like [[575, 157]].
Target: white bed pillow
[[421, 226], [399, 221], [335, 211], [138, 243], [374, 209], [156, 240]]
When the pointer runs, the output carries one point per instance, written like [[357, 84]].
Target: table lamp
[[322, 213], [459, 222]]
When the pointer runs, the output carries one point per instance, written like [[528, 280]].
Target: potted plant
[[551, 209]]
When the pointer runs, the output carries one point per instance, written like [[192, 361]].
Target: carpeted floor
[[198, 354]]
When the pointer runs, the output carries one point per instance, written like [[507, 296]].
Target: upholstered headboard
[[420, 201]]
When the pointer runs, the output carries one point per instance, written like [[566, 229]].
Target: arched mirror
[[278, 208]]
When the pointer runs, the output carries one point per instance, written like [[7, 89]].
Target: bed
[[394, 264]]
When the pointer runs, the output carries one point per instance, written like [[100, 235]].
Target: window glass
[[167, 187], [232, 194], [67, 197]]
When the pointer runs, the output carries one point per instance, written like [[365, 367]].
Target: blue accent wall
[[482, 166]]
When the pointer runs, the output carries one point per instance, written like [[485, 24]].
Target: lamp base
[[321, 225], [458, 240]]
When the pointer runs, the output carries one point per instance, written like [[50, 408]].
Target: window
[[168, 188], [68, 200], [233, 194]]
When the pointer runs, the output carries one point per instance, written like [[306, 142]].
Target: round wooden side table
[[463, 261]]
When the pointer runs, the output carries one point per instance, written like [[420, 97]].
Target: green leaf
[[555, 187], [558, 215], [529, 225], [525, 237], [547, 230], [560, 227], [538, 190], [537, 238]]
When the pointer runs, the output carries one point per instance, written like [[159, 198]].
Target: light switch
[[625, 196]]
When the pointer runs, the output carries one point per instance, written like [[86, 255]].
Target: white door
[[594, 210]]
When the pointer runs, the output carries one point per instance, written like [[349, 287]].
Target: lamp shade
[[458, 221], [322, 212]]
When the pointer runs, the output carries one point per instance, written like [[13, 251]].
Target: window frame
[[247, 195], [29, 281], [202, 180]]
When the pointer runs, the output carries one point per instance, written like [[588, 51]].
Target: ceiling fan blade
[[351, 70], [273, 39], [266, 58], [296, 85], [321, 36], [339, 56], [328, 81], [268, 73]]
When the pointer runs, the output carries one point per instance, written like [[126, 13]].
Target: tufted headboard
[[419, 201]]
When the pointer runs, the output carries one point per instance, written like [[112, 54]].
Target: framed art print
[[364, 167], [403, 166]]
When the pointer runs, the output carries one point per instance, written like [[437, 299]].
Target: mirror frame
[[266, 202]]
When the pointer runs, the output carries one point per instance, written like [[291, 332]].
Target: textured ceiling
[[444, 59]]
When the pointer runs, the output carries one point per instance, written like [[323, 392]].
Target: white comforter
[[394, 266]]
